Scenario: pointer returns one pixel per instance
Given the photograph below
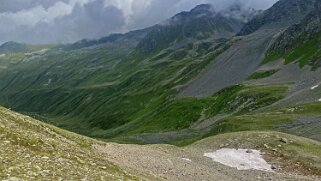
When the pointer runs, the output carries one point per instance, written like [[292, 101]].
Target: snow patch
[[319, 100], [187, 159], [314, 87], [242, 159]]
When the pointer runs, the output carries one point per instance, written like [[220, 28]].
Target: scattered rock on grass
[[284, 140]]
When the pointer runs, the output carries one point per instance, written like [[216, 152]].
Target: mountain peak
[[203, 8], [281, 14], [202, 22]]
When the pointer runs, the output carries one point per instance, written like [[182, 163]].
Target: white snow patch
[[242, 159], [187, 159], [314, 87], [319, 100]]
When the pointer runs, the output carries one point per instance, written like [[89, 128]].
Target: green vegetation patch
[[177, 115], [305, 53], [239, 99], [249, 123], [261, 75], [178, 55]]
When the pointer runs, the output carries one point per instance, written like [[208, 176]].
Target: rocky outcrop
[[200, 23], [308, 28], [282, 14]]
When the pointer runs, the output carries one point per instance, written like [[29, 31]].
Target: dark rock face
[[283, 13], [295, 34], [200, 23]]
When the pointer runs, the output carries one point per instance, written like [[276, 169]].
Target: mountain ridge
[[175, 91], [166, 84], [283, 13]]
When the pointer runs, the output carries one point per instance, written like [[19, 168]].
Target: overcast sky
[[61, 21]]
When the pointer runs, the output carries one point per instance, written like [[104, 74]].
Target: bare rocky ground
[[188, 163], [233, 66], [307, 126], [32, 150], [304, 84]]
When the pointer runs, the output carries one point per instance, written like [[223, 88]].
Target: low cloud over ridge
[[61, 21]]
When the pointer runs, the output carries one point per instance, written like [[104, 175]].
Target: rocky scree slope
[[246, 54]]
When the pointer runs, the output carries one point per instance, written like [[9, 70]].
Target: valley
[[148, 104]]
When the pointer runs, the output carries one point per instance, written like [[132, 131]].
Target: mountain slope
[[300, 42], [32, 150], [244, 56], [282, 14], [131, 38], [200, 23], [182, 92], [13, 47], [295, 60], [109, 85]]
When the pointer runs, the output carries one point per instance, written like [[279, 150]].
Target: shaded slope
[[301, 42], [281, 14], [13, 47], [200, 23], [246, 54], [132, 37]]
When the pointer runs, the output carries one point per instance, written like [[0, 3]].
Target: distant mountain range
[[237, 75]]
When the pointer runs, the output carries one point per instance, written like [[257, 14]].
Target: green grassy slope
[[90, 90], [305, 53], [300, 42], [32, 150], [181, 114], [107, 91]]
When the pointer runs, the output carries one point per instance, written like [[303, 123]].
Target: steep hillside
[[108, 85], [300, 42], [175, 82], [202, 22], [295, 60], [245, 55], [32, 150], [282, 14]]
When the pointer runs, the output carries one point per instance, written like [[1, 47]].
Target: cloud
[[60, 21], [158, 10]]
